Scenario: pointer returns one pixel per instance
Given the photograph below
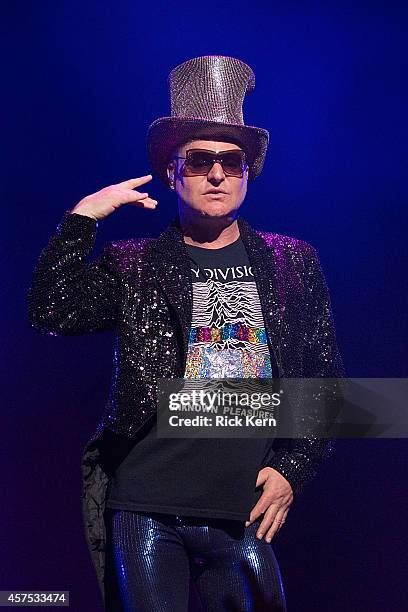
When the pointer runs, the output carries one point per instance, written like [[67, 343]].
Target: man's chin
[[215, 212]]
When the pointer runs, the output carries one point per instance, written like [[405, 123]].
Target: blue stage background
[[81, 84]]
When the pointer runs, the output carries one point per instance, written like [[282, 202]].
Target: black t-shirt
[[206, 477]]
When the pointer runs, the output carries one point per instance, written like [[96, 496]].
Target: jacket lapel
[[267, 273], [168, 257]]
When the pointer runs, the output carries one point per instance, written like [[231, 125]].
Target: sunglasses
[[200, 161]]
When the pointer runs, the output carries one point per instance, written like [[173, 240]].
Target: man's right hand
[[104, 202]]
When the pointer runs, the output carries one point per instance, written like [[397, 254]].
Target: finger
[[260, 507], [272, 532], [128, 196], [255, 513], [276, 525], [145, 203], [284, 517], [261, 478], [135, 182], [267, 520]]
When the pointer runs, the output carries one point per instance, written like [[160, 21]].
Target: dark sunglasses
[[200, 161]]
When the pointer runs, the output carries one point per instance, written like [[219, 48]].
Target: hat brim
[[167, 133]]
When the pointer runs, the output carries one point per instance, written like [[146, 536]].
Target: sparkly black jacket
[[142, 289]]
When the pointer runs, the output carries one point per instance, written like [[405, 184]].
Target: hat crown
[[211, 87]]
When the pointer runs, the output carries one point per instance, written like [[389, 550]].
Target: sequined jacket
[[142, 290]]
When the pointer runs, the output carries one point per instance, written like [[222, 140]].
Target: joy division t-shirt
[[206, 477], [227, 337]]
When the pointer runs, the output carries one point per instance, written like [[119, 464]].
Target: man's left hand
[[274, 503]]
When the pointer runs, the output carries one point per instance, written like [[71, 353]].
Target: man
[[209, 298]]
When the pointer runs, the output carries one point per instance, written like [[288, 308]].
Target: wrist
[[81, 210]]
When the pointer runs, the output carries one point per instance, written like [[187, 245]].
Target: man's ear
[[170, 174]]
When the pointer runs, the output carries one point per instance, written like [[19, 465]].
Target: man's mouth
[[215, 192]]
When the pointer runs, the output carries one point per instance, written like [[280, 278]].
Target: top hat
[[206, 97]]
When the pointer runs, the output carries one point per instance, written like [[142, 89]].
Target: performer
[[211, 297]]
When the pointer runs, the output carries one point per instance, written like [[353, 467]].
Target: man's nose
[[216, 172]]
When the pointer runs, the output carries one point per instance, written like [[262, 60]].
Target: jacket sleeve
[[298, 459], [69, 296]]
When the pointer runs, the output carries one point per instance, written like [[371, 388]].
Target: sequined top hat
[[206, 97]]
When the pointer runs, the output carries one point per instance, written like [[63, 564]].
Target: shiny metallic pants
[[151, 558]]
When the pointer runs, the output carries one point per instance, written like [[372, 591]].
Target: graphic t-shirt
[[206, 477], [227, 337]]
